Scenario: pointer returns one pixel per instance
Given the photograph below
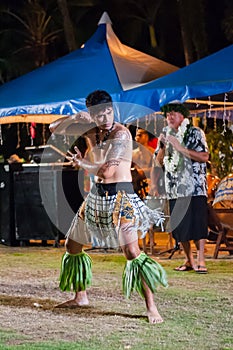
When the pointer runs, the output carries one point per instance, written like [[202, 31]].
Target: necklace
[[101, 143], [172, 160]]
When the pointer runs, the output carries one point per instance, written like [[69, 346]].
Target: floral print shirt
[[189, 177]]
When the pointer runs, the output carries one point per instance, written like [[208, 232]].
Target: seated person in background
[[142, 162], [157, 187]]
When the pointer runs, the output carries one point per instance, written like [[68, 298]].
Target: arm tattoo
[[110, 163], [107, 165], [120, 147], [123, 135]]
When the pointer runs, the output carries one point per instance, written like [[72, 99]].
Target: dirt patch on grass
[[193, 306], [42, 321], [29, 292]]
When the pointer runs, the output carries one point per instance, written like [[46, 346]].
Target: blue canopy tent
[[209, 76], [141, 83], [59, 88]]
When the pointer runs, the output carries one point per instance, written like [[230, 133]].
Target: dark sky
[[131, 31], [167, 28]]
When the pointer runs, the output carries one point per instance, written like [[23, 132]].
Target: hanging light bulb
[[224, 114], [147, 121], [43, 134], [155, 124], [215, 121], [204, 121], [18, 136], [210, 106]]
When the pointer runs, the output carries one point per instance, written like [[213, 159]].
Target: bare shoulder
[[121, 132], [90, 133]]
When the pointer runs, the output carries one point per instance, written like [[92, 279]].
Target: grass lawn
[[197, 309]]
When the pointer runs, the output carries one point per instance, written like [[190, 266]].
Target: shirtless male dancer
[[112, 213]]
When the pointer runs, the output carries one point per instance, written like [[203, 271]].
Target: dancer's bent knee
[[143, 269], [73, 247]]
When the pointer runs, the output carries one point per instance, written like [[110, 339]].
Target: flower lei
[[172, 160]]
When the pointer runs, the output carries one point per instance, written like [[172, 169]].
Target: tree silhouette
[[28, 35], [191, 14]]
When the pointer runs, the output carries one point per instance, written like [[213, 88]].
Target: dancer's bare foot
[[80, 299], [154, 316]]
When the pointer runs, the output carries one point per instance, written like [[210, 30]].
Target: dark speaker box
[[31, 219], [61, 192], [7, 224], [45, 202]]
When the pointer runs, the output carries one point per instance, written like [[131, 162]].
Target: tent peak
[[105, 19]]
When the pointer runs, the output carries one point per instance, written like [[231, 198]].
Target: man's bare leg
[[80, 297], [152, 311], [188, 254], [132, 251], [200, 245]]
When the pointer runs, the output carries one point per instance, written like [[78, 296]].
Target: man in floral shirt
[[184, 153]]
